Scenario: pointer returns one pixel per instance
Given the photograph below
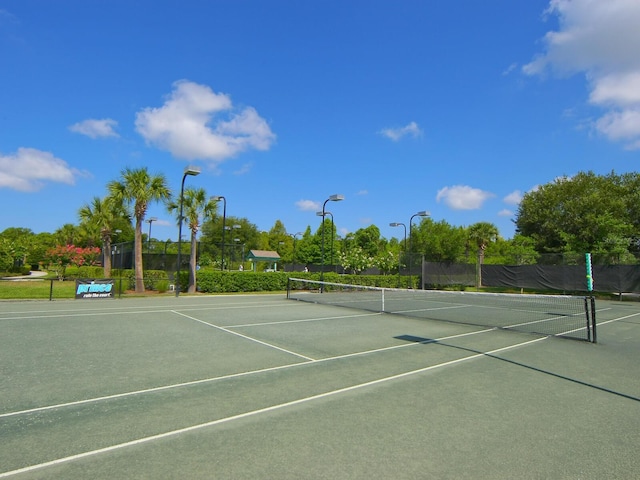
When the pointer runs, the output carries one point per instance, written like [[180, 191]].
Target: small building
[[268, 256]]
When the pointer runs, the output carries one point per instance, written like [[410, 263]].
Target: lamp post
[[398, 224], [332, 234], [333, 198], [422, 213], [189, 171], [224, 220], [150, 221]]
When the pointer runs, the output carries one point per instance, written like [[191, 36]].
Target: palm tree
[[195, 205], [481, 234], [68, 234], [103, 215], [139, 188]]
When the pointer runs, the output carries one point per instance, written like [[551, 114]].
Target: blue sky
[[456, 107]]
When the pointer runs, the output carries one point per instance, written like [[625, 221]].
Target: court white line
[[229, 376], [617, 319], [246, 337], [283, 322], [252, 413], [90, 313]]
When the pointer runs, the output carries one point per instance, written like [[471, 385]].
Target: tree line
[[583, 213]]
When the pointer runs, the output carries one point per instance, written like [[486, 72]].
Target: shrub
[[162, 286]]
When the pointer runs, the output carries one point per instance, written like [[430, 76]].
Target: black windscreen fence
[[569, 278]]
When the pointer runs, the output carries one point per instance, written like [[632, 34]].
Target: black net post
[[594, 337]]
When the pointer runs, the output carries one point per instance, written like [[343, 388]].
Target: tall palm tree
[[196, 206], [103, 215], [138, 188], [482, 234]]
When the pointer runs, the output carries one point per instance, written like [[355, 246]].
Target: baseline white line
[[230, 376], [89, 313], [252, 413], [246, 337]]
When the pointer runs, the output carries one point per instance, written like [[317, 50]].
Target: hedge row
[[235, 281], [152, 278], [223, 282]]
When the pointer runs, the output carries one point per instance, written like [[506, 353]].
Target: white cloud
[[397, 134], [308, 205], [505, 213], [463, 197], [599, 39], [621, 125], [362, 192], [509, 69], [96, 128], [28, 169], [244, 169], [514, 198], [190, 126]]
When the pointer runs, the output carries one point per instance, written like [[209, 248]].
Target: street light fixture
[[150, 221], [422, 213], [333, 198], [400, 224], [332, 229], [217, 198], [189, 171]]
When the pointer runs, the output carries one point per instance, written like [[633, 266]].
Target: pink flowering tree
[[60, 256]]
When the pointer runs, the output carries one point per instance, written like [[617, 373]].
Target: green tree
[[67, 234], [196, 208], [355, 259], [308, 248], [368, 239], [103, 215], [138, 188], [578, 214], [239, 232], [481, 234], [519, 250], [16, 246], [439, 241]]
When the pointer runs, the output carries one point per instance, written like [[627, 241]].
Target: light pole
[[422, 213], [333, 198], [332, 233], [150, 221], [398, 224], [224, 220], [189, 171]]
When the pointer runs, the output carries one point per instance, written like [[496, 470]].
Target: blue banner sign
[[95, 288]]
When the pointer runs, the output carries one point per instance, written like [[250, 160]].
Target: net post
[[594, 337], [588, 319], [288, 288]]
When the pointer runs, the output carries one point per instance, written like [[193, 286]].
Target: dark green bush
[[151, 277], [233, 281]]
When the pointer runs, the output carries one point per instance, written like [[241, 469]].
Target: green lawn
[[36, 289]]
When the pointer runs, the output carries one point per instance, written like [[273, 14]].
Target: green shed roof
[[263, 255]]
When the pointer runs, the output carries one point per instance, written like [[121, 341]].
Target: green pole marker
[[589, 272]]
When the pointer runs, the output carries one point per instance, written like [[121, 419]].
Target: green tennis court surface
[[258, 386]]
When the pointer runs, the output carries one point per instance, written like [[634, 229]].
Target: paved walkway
[[32, 276]]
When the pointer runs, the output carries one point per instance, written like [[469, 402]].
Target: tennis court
[[258, 386]]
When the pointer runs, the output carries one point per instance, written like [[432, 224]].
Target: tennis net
[[557, 315]]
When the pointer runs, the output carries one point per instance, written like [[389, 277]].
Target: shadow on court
[[256, 386]]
